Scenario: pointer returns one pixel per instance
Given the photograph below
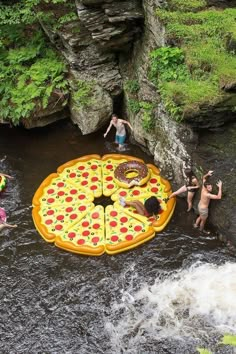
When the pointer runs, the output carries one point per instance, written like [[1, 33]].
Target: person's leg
[[179, 191], [203, 222], [121, 141], [190, 196], [197, 222], [137, 205], [9, 225]]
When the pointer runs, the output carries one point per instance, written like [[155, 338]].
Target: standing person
[[3, 219], [119, 124], [205, 199], [151, 206], [191, 186]]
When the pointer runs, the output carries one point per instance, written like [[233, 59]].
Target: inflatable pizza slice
[[86, 236], [109, 164], [56, 190], [125, 231], [54, 220], [84, 173]]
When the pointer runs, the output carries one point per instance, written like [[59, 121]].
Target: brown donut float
[[131, 173]]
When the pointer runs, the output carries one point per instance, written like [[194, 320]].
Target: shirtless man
[[206, 197], [119, 124]]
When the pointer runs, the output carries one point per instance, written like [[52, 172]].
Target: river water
[[170, 295]]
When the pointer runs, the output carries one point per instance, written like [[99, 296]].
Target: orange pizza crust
[[64, 212]]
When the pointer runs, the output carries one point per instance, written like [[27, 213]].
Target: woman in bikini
[[151, 206], [191, 186]]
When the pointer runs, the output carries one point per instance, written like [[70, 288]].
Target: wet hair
[[114, 116], [152, 205], [189, 172], [207, 184]]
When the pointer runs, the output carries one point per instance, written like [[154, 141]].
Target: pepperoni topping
[[73, 216], [96, 226], [60, 184], [86, 233], [81, 196], [123, 229], [109, 167], [138, 228], [73, 191], [84, 183], [94, 179], [71, 234], [94, 167], [72, 175], [85, 174], [135, 192], [50, 200], [113, 223], [153, 180], [82, 208], [93, 188], [81, 241], [69, 199], [51, 191], [81, 168], [85, 223], [114, 238], [109, 178], [69, 209], [110, 186], [50, 212], [154, 190], [61, 193], [48, 222], [95, 239], [95, 215], [58, 227], [124, 219], [129, 237], [60, 217], [123, 194]]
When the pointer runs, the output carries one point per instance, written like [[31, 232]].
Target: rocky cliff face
[[108, 46]]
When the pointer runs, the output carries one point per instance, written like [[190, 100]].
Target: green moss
[[192, 72]]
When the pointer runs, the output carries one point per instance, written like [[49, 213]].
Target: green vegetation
[[148, 118], [133, 105], [132, 86], [82, 94], [30, 73], [193, 71]]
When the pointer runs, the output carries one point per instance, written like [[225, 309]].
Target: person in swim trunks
[[119, 124], [191, 186], [206, 196], [3, 219], [151, 206]]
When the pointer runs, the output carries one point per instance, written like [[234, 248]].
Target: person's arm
[[108, 129], [196, 184], [209, 173], [126, 122], [3, 174], [219, 195]]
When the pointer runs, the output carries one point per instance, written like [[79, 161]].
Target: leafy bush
[[29, 75], [133, 105], [148, 122], [193, 71], [132, 86], [82, 94]]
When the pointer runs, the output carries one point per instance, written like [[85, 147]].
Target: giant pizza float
[[66, 209]]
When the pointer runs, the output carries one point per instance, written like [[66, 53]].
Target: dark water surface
[[171, 295]]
